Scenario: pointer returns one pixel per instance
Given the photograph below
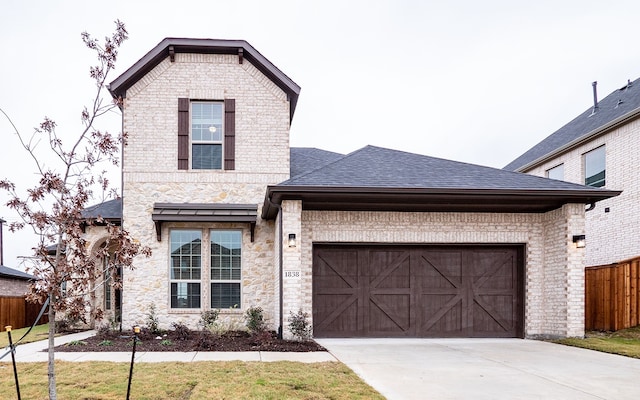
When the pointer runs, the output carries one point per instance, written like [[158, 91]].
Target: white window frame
[[603, 149], [549, 172], [231, 280], [193, 141], [173, 280]]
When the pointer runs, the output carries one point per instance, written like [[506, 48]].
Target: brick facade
[[13, 287], [151, 176], [613, 226], [275, 274], [554, 285]]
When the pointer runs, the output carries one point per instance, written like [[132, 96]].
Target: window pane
[[186, 247], [225, 295], [185, 295], [556, 172], [226, 255], [594, 167], [206, 156]]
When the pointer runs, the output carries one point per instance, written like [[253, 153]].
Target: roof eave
[[624, 119], [119, 86], [428, 200]]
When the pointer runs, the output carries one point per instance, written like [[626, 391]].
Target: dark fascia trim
[[601, 130], [203, 212], [428, 200], [119, 86]]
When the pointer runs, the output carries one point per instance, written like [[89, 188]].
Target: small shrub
[[166, 342], [77, 343], [182, 331], [104, 330], [152, 320], [206, 340], [106, 343], [254, 319], [208, 318], [299, 325]]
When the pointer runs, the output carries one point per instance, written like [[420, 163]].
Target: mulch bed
[[189, 341]]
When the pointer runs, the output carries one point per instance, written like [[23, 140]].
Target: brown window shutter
[[183, 133], [230, 134]]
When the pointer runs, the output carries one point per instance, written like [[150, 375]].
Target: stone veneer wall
[[150, 175], [611, 235], [554, 289]]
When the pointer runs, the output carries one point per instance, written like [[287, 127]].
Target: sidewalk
[[36, 352]]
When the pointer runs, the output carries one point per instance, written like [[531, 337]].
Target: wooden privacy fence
[[18, 313], [612, 296]]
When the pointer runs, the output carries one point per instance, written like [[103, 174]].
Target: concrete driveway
[[486, 369]]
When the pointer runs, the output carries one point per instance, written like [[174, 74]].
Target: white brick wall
[[553, 287], [151, 176], [611, 236]]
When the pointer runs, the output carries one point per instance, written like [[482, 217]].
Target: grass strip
[[197, 380]]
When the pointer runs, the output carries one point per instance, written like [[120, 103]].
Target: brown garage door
[[417, 291]]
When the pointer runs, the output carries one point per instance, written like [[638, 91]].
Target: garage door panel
[[493, 313], [390, 315], [336, 269], [338, 314], [422, 291], [442, 314], [440, 269], [389, 269]]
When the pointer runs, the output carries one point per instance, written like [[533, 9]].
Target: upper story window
[[206, 135], [556, 172], [595, 167]]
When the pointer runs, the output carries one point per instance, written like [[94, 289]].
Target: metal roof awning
[[203, 212]]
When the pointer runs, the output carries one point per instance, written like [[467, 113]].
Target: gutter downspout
[[280, 277]]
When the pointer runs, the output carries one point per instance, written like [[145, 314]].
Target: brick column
[[294, 275]]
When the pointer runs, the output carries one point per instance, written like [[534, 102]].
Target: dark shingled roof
[[618, 107], [379, 179], [11, 273], [307, 159], [379, 167], [110, 210]]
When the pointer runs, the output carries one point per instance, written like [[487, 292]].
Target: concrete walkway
[[36, 352], [486, 369]]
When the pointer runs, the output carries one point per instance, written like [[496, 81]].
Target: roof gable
[[617, 108], [169, 46]]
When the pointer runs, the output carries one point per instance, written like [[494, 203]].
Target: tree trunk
[[53, 395]]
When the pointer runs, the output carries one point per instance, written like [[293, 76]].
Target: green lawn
[[625, 342], [198, 380], [39, 332]]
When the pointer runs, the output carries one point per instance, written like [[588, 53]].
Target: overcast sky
[[473, 81]]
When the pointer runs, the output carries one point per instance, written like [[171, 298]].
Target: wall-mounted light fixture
[[580, 241], [292, 240]]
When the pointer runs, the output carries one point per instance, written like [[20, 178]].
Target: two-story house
[[375, 243], [599, 148]]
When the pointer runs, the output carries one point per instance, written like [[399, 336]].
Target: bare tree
[[53, 207]]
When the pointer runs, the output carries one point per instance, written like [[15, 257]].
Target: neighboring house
[[599, 148], [14, 283], [376, 243]]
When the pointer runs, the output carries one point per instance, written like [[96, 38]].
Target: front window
[[556, 172], [226, 257], [206, 135], [186, 249], [595, 167]]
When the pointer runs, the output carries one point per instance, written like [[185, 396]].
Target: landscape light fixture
[[580, 241], [292, 240]]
